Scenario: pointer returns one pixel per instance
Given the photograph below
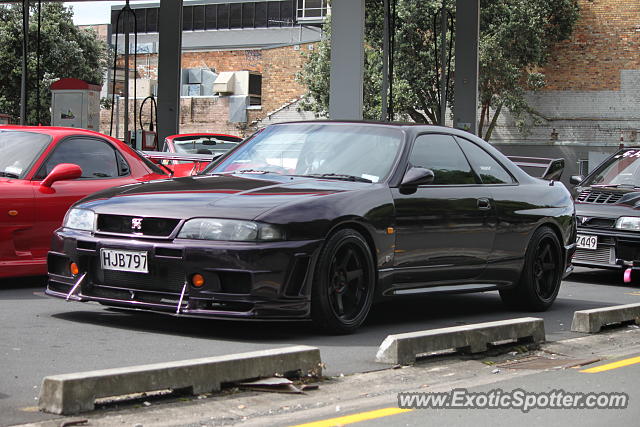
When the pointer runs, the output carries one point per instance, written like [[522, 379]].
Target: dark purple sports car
[[318, 220]]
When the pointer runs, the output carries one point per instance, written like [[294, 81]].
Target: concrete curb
[[403, 348], [73, 393], [591, 321]]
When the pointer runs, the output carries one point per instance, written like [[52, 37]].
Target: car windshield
[[203, 145], [622, 170], [19, 151], [340, 151]]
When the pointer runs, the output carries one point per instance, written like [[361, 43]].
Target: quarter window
[[487, 168], [96, 158], [443, 156]]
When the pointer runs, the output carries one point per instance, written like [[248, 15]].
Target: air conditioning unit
[[247, 83], [225, 83], [144, 87]]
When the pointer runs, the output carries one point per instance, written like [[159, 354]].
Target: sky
[[93, 12]]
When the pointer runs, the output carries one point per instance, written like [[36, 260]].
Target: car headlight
[[628, 223], [79, 219], [229, 230]]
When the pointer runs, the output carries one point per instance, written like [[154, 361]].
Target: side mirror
[[576, 179], [61, 172], [554, 170], [417, 176]]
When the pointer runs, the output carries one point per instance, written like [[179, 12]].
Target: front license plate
[[586, 241], [122, 260]]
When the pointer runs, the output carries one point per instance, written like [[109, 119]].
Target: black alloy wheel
[[545, 268], [343, 284], [541, 276]]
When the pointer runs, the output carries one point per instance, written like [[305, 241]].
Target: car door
[[102, 167], [444, 230], [503, 189]]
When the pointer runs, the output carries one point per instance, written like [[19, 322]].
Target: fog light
[[73, 267], [197, 280]]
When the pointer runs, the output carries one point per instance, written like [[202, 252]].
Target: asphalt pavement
[[43, 336]]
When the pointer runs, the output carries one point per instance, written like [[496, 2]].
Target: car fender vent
[[297, 277], [599, 197]]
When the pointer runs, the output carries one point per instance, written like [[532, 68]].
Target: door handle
[[484, 204]]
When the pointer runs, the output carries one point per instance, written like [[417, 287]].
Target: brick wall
[[278, 67], [592, 97], [605, 41], [206, 114]]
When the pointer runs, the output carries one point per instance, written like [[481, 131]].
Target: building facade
[[262, 41]]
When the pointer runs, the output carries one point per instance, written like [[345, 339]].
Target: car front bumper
[[242, 280], [616, 249]]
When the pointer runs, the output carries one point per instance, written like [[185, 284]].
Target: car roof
[[54, 130]]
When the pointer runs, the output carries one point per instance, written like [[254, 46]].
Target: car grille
[[161, 278], [599, 197], [605, 254], [124, 224], [599, 223]]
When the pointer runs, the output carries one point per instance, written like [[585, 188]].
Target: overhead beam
[[347, 60], [169, 62], [465, 111]]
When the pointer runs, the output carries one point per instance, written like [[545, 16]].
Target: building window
[[312, 10], [198, 17], [255, 89], [223, 16], [187, 18]]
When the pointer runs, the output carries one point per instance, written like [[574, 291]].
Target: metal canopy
[[347, 39]]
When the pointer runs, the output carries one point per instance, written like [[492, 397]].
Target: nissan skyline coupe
[[318, 221]]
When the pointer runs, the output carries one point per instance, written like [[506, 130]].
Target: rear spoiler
[[553, 168], [163, 155]]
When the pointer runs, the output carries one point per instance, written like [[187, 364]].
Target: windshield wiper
[[343, 177], [9, 174], [251, 171], [616, 185]]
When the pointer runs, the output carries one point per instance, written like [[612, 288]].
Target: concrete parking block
[[74, 393], [403, 348], [591, 321]]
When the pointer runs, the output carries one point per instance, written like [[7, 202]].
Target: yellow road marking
[[355, 418], [614, 365], [635, 293]]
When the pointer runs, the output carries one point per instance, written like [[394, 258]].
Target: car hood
[[228, 196], [597, 202]]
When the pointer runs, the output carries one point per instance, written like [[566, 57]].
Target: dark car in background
[[317, 220], [608, 212]]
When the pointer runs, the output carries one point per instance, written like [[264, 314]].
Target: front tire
[[540, 280], [343, 284]]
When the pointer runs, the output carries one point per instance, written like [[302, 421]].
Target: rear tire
[[343, 284], [541, 276]]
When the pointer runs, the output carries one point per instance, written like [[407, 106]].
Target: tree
[[515, 42], [66, 51]]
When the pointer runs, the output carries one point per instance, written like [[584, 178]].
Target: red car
[[203, 143], [43, 170]]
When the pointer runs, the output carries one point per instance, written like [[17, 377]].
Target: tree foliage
[[66, 51], [516, 38]]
